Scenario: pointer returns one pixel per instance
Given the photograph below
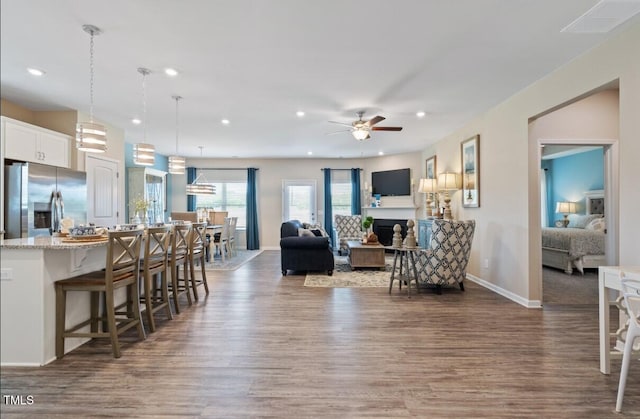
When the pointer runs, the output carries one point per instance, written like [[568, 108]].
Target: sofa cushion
[[304, 242]]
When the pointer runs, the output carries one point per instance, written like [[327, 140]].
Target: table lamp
[[566, 208], [428, 187], [448, 181]]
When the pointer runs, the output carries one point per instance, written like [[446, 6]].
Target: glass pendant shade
[[144, 154], [360, 134], [91, 137], [177, 165]]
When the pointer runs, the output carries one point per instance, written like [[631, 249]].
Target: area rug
[[344, 277], [232, 263]]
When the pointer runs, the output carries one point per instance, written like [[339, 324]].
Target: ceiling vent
[[604, 16]]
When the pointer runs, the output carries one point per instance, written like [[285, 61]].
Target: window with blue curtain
[[253, 234], [356, 204], [328, 211], [191, 199]]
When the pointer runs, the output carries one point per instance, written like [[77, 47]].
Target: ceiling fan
[[361, 129]]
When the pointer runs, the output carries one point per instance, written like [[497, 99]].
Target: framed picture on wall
[[470, 153], [431, 172]]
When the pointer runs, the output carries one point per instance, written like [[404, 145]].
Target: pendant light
[[91, 136], [144, 153], [200, 188], [177, 164]]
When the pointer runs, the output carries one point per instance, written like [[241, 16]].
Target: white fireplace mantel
[[401, 213]]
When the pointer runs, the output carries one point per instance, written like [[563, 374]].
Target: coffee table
[[365, 255]]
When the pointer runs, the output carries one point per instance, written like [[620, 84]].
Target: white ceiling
[[257, 62]]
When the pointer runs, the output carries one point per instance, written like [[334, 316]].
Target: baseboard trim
[[270, 248], [505, 293]]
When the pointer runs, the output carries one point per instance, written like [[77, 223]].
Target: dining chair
[[232, 236], [155, 266], [122, 271], [221, 243], [179, 258], [631, 295], [197, 254]]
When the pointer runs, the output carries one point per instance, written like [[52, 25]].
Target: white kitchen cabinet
[[31, 143]]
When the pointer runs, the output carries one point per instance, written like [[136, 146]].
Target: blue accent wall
[[568, 178], [161, 163]]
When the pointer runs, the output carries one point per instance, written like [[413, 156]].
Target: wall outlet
[[485, 264], [6, 274]]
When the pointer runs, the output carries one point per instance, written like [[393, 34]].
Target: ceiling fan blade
[[338, 132], [386, 128], [341, 123], [375, 120]]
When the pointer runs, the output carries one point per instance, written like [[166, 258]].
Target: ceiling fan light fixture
[[360, 134]]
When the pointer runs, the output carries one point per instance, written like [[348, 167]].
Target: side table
[[404, 259]]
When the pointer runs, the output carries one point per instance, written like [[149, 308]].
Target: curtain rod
[[328, 168], [225, 168]]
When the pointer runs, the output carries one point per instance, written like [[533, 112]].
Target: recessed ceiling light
[[35, 71], [309, 153], [300, 114], [420, 114], [225, 121], [380, 153], [171, 72], [136, 121]]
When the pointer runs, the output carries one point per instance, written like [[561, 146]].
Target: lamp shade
[[91, 137], [144, 154], [566, 207], [177, 165], [428, 185], [449, 181], [201, 189]]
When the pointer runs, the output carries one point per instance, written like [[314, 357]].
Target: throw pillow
[[318, 227], [581, 221], [596, 224], [303, 232], [317, 232]]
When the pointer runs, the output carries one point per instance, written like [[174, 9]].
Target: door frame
[[611, 157]]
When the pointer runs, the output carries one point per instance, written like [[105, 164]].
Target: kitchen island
[[30, 266]]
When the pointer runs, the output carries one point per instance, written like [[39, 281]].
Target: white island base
[[29, 269]]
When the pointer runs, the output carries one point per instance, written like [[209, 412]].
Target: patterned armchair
[[444, 262], [347, 227]]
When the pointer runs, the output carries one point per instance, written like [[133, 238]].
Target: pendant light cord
[[177, 98], [91, 78]]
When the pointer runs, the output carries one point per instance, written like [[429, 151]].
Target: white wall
[[508, 222], [273, 171]]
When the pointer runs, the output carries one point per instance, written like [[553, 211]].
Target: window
[[299, 200], [231, 194], [341, 192]]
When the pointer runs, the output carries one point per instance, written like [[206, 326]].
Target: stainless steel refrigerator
[[37, 197]]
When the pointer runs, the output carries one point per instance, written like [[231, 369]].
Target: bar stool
[[155, 262], [122, 270], [197, 252], [631, 295], [179, 256]]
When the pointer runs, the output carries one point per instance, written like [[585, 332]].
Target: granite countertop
[[46, 242]]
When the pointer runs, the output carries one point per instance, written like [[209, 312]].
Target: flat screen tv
[[391, 182]]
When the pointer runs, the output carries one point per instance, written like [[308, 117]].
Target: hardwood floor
[[262, 345]]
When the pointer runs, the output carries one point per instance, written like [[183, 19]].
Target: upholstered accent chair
[[300, 252], [444, 262], [347, 227]]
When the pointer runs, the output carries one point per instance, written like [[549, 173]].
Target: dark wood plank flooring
[[263, 345]]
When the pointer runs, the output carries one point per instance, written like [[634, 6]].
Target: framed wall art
[[431, 172], [470, 152]]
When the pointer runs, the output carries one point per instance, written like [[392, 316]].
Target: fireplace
[[384, 230]]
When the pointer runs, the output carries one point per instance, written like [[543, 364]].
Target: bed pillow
[[581, 221], [596, 224]]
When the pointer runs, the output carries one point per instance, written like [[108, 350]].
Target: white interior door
[[299, 200], [102, 191]]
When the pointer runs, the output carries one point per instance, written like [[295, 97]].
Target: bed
[[580, 245]]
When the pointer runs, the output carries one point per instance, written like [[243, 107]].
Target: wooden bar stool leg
[[148, 301], [192, 275], [135, 302], [204, 276], [185, 272], [111, 321], [174, 288], [61, 307], [95, 311], [164, 289]]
